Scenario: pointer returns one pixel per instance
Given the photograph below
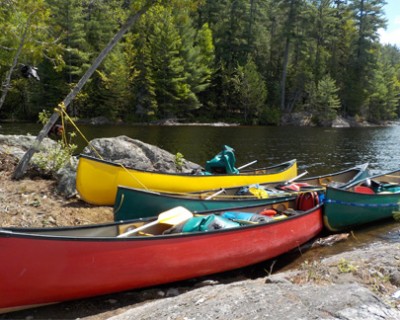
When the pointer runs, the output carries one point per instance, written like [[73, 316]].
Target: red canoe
[[50, 265]]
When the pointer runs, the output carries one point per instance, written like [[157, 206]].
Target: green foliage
[[323, 100], [345, 266], [54, 158], [270, 116], [248, 61], [44, 116], [250, 91], [179, 161]]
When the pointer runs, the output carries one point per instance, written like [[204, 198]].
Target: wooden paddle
[[172, 217]]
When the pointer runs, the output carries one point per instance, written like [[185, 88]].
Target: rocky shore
[[350, 279]]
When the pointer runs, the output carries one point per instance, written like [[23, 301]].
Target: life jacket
[[255, 190], [258, 191], [203, 223]]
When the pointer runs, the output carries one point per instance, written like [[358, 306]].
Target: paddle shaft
[[297, 177], [215, 194], [248, 164], [145, 226]]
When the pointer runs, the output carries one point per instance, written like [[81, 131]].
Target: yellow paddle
[[172, 217]]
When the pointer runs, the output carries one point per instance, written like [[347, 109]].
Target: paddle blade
[[175, 216], [172, 217]]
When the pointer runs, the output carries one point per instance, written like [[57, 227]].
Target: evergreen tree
[[197, 52], [368, 15], [292, 9], [384, 100], [250, 91], [172, 89], [323, 100]]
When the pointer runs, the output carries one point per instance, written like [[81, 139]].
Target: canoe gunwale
[[30, 232], [285, 165], [372, 178], [187, 195]]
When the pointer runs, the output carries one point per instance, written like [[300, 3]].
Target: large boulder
[[137, 154], [129, 152], [17, 145]]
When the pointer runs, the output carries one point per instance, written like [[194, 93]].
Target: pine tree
[[368, 15], [250, 91], [323, 100]]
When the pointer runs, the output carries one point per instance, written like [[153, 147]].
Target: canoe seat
[[364, 190]]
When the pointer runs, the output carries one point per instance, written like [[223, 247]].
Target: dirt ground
[[33, 202]]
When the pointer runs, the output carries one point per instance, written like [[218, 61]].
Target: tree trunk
[[7, 81], [289, 27], [284, 74], [22, 165]]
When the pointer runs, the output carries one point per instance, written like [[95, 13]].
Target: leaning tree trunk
[[22, 165]]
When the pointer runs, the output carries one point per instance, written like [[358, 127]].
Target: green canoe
[[132, 203], [372, 199]]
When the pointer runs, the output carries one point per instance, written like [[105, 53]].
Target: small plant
[[345, 266], [44, 116], [54, 158], [179, 158], [312, 271]]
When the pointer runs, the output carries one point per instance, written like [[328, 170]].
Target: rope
[[365, 205], [63, 112]]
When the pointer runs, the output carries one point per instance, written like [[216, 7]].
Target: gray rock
[[137, 154], [17, 145], [129, 152], [253, 299], [340, 122], [66, 179]]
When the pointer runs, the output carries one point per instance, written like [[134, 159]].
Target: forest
[[246, 61]]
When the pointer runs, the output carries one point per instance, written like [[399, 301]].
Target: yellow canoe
[[97, 180]]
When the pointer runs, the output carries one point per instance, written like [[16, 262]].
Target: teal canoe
[[132, 203], [370, 200]]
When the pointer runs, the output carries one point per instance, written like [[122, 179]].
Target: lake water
[[319, 150]]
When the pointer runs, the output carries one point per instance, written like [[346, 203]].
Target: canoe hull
[[97, 180], [132, 203], [46, 269], [347, 208]]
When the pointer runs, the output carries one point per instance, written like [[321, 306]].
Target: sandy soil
[[33, 202]]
